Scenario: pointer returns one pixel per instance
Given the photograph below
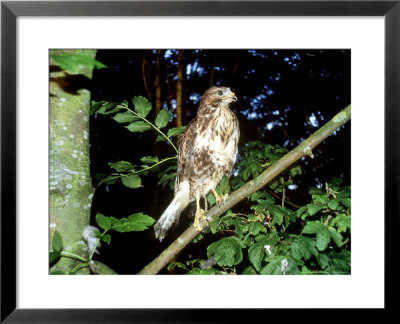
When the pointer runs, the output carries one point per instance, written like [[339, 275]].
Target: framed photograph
[[150, 149]]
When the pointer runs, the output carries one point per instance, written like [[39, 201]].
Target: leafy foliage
[[277, 239], [135, 121], [73, 62], [272, 235]]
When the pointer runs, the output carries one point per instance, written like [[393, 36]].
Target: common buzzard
[[207, 151]]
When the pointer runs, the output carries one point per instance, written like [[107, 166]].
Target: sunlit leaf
[[163, 118], [121, 166], [142, 106], [139, 126], [135, 222], [106, 238], [176, 131], [75, 62], [132, 181], [149, 159], [125, 117], [342, 222], [103, 221]]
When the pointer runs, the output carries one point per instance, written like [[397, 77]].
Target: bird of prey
[[206, 152]]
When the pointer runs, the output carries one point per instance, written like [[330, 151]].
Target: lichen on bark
[[70, 184]]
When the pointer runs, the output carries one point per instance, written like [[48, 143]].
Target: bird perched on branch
[[207, 152]]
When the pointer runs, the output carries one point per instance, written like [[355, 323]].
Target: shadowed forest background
[[284, 96]]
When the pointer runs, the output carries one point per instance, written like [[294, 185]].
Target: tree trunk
[[157, 85], [70, 184], [179, 90]]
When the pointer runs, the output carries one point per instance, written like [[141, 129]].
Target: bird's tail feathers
[[169, 217]]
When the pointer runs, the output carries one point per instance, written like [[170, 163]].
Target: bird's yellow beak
[[233, 96]]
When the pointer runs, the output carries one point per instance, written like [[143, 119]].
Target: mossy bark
[[70, 184]]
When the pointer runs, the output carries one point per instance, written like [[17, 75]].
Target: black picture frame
[[10, 10]]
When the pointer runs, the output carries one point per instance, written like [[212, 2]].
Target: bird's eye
[[219, 93]]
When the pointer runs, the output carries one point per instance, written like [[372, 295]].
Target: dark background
[[284, 97]]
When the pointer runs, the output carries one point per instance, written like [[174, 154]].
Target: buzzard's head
[[217, 95]]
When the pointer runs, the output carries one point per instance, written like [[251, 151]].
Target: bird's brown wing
[[185, 148]]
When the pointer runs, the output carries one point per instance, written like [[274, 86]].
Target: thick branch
[[305, 148]]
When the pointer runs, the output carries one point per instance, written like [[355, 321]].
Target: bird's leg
[[205, 203], [199, 214], [218, 198]]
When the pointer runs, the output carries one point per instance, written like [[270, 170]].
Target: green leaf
[[160, 138], [323, 260], [114, 220], [163, 118], [345, 193], [256, 255], [198, 238], [211, 199], [215, 226], [125, 117], [324, 234], [135, 222], [300, 212], [74, 62], [320, 199], [106, 238], [341, 261], [53, 256], [95, 106], [149, 159], [176, 265], [198, 271], [176, 131], [103, 221], [342, 222], [111, 179], [249, 271], [314, 208], [167, 178], [256, 227], [132, 181], [303, 247], [227, 251], [258, 195], [139, 126], [104, 107], [142, 106], [277, 212], [57, 242], [333, 204], [337, 238], [345, 202], [121, 166], [274, 265], [296, 171]]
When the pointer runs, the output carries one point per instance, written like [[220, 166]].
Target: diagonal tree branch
[[305, 148]]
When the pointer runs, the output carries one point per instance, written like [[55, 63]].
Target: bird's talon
[[199, 214], [218, 198]]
